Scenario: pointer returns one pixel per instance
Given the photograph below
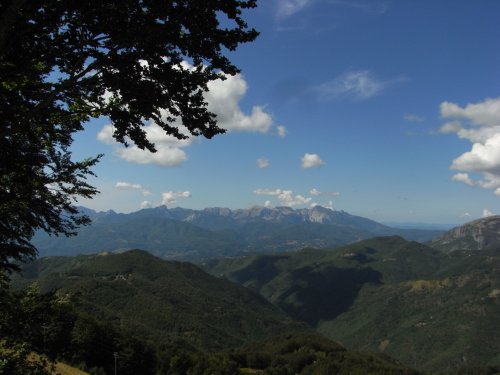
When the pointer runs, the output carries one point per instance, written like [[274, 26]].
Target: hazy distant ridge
[[198, 234]]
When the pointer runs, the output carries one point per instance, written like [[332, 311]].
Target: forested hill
[[160, 317], [193, 235], [430, 310], [160, 300]]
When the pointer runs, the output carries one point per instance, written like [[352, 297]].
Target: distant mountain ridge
[[179, 233], [478, 235]]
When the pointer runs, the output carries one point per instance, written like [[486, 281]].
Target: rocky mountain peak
[[481, 234]]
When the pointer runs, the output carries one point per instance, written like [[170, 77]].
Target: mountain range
[[194, 235], [430, 306]]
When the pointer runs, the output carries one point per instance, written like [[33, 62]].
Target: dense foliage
[[165, 302], [65, 62], [57, 324], [48, 324], [51, 326]]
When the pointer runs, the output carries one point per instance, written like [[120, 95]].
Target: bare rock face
[[482, 234]]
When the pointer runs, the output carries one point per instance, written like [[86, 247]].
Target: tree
[[65, 62]]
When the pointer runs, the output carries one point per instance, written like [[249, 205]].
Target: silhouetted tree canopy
[[65, 62]]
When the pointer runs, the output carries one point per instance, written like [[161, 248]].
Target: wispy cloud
[[286, 8], [373, 6], [122, 185], [359, 84], [410, 117], [262, 163], [316, 192], [282, 132]]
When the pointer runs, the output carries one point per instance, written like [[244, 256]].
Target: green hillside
[[158, 300], [160, 318], [432, 311]]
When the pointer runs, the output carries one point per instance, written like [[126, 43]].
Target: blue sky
[[385, 109]]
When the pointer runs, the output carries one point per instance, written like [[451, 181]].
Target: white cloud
[[465, 215], [262, 163], [267, 192], [413, 118], [316, 192], [285, 197], [146, 204], [481, 158], [128, 186], [164, 157], [487, 212], [223, 99], [463, 177], [169, 152], [170, 197], [282, 132], [480, 124], [311, 161], [286, 8], [267, 204], [486, 113], [355, 84], [329, 205]]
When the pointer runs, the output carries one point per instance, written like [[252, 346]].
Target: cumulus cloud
[[169, 149], [463, 177], [485, 113], [359, 84], [311, 161], [480, 124], [262, 163], [170, 197], [223, 97], [285, 197], [128, 186]]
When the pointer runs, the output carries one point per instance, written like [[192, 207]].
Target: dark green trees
[[65, 62]]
